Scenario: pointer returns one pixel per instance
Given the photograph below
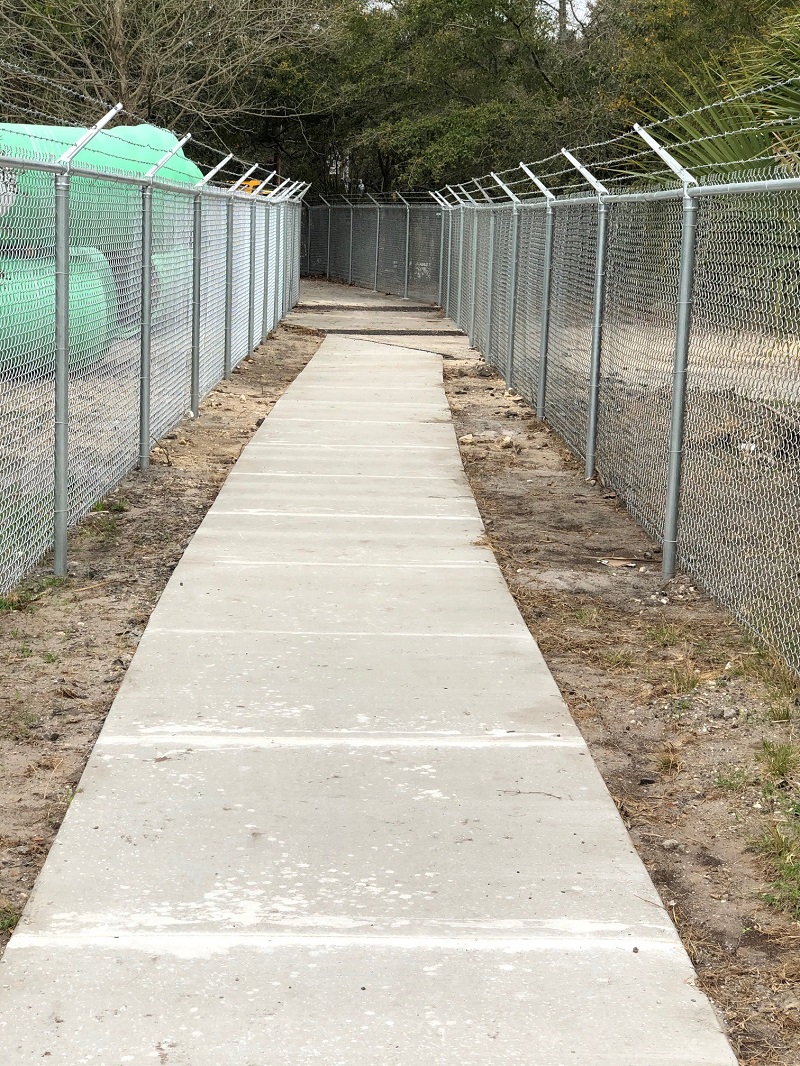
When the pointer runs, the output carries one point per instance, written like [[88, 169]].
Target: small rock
[[730, 712], [507, 442], [670, 845], [647, 780], [468, 438]]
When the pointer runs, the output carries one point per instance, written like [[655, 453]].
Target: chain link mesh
[[528, 324], [570, 339], [642, 262], [740, 494], [739, 529], [105, 331]]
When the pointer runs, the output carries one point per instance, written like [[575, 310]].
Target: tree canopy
[[409, 93]]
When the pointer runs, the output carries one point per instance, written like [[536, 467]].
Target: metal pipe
[[151, 173], [548, 195], [544, 335], [473, 278], [377, 242], [598, 186], [229, 235], [597, 337], [61, 473], [278, 265], [350, 268], [511, 195], [490, 287], [197, 253], [67, 157], [512, 296], [441, 254], [251, 283], [214, 171], [265, 300], [460, 263], [665, 156], [259, 189], [682, 337], [408, 249], [328, 260], [240, 181], [145, 335], [449, 261]]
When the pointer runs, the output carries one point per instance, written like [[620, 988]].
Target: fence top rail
[[53, 167]]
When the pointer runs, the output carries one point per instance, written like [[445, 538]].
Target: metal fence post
[[441, 254], [144, 345], [197, 251], [473, 277], [597, 337], [682, 336], [328, 261], [265, 299], [449, 260], [229, 232], [308, 238], [61, 481], [490, 287], [350, 268], [544, 334], [251, 288], [408, 250], [278, 266], [512, 296], [377, 245], [460, 262]]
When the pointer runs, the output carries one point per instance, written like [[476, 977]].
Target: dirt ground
[[65, 645], [692, 726], [684, 715]]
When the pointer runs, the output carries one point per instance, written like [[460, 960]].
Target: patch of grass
[[25, 650], [684, 677], [618, 658], [117, 505], [50, 657], [780, 712], [669, 762], [665, 635], [781, 845], [29, 592], [778, 759], [9, 917], [767, 667], [589, 617], [733, 779], [105, 525]]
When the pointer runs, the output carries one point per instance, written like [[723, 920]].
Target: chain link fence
[[393, 248], [123, 301], [667, 358]]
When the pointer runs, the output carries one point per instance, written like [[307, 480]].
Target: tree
[[178, 63]]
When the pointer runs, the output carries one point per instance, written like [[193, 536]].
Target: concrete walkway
[[339, 813]]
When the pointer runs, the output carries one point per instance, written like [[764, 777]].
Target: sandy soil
[[670, 693], [65, 645]]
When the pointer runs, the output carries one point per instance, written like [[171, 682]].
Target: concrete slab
[[186, 1000], [339, 812], [334, 684]]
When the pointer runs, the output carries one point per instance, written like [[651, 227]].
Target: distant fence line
[[123, 301], [657, 332]]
